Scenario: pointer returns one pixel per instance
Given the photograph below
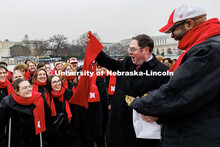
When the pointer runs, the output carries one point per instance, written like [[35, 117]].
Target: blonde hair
[[160, 58], [62, 77]]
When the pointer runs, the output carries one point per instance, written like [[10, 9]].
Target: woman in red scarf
[[64, 131], [5, 86], [40, 80], [68, 76], [24, 115]]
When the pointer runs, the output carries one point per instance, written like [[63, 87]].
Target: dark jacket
[[22, 124], [92, 118], [189, 103], [120, 132], [41, 89], [3, 92], [67, 133]]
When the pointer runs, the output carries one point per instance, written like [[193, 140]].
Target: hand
[[109, 107], [149, 119], [87, 38]]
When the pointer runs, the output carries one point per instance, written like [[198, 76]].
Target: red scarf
[[53, 71], [94, 94], [195, 36], [26, 77], [9, 75], [71, 77], [59, 96], [103, 75], [80, 97], [37, 84], [111, 85], [7, 84], [28, 74], [65, 84], [39, 114], [94, 77]]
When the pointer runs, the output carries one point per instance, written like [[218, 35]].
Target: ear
[[17, 92], [189, 25], [146, 49]]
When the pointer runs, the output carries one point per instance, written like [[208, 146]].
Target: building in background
[[5, 48]]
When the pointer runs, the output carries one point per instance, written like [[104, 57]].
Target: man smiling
[[189, 103]]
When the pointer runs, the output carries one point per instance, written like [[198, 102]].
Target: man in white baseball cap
[[189, 104], [181, 14], [73, 61]]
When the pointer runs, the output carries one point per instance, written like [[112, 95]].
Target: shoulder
[[210, 47], [162, 66], [157, 65], [7, 101]]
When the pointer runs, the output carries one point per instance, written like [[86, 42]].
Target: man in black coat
[[189, 104], [120, 126]]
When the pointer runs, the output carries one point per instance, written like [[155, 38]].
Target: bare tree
[[19, 50], [115, 49], [80, 42], [40, 47], [26, 42], [59, 44]]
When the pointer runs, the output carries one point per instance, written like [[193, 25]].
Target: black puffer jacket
[[22, 124], [189, 103]]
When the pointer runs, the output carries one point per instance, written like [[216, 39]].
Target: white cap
[[185, 11]]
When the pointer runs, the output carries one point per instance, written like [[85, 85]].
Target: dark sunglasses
[[172, 29]]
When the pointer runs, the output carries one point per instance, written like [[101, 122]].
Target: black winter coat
[[92, 118], [189, 103], [120, 126], [22, 124], [67, 133], [3, 92]]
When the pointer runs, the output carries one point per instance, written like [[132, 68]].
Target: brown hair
[[40, 65], [36, 74], [21, 66], [144, 41], [32, 63], [17, 82]]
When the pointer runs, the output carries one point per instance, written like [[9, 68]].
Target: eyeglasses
[[26, 87], [172, 29], [133, 49], [67, 69], [56, 82]]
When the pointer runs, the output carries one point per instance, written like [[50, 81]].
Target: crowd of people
[[34, 96], [182, 109]]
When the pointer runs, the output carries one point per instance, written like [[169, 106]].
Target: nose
[[130, 52]]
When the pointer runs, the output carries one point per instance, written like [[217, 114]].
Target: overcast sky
[[113, 20]]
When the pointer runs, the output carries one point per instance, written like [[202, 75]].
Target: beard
[[180, 36]]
